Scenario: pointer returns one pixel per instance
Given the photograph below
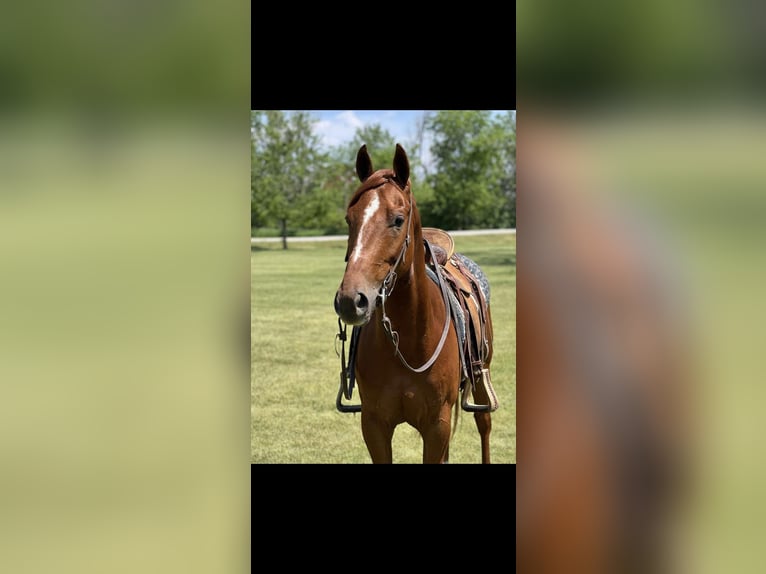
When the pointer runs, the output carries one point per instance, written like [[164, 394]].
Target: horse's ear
[[363, 163], [401, 166]]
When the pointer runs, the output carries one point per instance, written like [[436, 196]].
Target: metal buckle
[[388, 283]]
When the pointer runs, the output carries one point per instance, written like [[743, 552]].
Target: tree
[[380, 145], [469, 182], [505, 167], [473, 164], [285, 169]]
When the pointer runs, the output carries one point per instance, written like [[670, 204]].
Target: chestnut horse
[[408, 358], [605, 384]]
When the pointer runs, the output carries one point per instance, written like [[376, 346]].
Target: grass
[[295, 371]]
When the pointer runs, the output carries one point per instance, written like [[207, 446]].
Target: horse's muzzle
[[354, 308]]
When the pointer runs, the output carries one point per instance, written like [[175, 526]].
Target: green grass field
[[295, 371]]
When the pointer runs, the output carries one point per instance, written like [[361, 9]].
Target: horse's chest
[[390, 380], [396, 393]]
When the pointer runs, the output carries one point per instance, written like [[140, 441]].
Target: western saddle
[[470, 302]]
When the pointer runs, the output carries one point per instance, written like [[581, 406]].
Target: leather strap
[[393, 336]]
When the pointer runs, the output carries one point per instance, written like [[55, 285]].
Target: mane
[[376, 180]]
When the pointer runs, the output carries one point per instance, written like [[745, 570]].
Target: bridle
[[387, 287], [390, 280]]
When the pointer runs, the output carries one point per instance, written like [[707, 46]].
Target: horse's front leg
[[436, 438], [378, 435]]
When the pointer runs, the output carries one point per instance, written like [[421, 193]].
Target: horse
[[604, 379], [407, 362]]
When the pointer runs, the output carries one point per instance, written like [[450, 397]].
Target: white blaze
[[369, 211]]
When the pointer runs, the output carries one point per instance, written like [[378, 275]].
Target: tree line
[[469, 182]]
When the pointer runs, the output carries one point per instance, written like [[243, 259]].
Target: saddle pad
[[474, 269]]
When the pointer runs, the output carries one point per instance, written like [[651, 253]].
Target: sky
[[338, 126], [335, 127]]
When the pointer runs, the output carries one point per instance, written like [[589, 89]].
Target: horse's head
[[380, 228]]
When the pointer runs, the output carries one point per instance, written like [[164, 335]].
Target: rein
[[393, 336]]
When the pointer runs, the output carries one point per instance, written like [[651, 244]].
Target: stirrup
[[486, 382], [344, 390]]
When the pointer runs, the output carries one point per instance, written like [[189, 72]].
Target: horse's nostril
[[336, 304], [361, 301]]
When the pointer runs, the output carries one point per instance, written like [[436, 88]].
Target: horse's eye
[[399, 221]]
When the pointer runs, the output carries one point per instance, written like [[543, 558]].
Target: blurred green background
[[124, 214], [665, 104], [124, 287]]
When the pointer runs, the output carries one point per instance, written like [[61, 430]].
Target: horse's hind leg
[[483, 422]]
